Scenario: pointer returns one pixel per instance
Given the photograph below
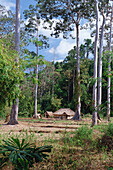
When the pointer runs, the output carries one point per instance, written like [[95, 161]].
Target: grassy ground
[[84, 148]]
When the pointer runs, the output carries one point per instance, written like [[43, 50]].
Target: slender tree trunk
[[68, 90], [53, 75], [53, 84], [49, 85], [74, 81], [100, 67], [14, 111], [87, 54], [94, 116], [36, 86], [77, 115], [109, 69]]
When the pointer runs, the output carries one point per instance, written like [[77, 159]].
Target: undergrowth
[[78, 150]]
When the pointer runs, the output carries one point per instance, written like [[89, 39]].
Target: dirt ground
[[42, 129], [45, 128]]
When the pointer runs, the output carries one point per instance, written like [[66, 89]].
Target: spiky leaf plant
[[22, 155]]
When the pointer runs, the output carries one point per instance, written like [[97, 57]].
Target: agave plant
[[22, 155]]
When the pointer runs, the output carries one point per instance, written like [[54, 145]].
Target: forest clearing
[[56, 85], [70, 150]]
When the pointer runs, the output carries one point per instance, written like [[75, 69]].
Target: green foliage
[[109, 130], [22, 155], [11, 73], [7, 19], [7, 30], [105, 143], [65, 84], [33, 21], [83, 135], [55, 103], [66, 11], [26, 103]]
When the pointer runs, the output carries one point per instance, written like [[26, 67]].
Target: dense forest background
[[57, 81], [57, 85]]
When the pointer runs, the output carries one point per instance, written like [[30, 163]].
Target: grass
[[75, 150], [79, 151]]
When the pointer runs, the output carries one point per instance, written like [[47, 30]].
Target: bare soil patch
[[64, 155], [42, 129]]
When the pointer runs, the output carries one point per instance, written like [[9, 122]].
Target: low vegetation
[[22, 154], [84, 148]]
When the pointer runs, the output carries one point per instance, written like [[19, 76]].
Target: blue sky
[[58, 47]]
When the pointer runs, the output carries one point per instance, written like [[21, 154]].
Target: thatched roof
[[49, 113], [63, 111]]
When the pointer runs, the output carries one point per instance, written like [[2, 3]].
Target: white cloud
[[59, 60], [48, 31], [7, 4], [67, 44], [85, 34], [52, 50], [64, 46]]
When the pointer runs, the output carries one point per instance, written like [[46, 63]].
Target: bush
[[106, 141], [109, 131], [83, 135], [22, 155]]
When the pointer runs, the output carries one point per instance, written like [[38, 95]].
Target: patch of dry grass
[[67, 154]]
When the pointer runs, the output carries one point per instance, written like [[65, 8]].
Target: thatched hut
[[48, 114], [64, 113]]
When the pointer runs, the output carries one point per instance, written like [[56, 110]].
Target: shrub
[[83, 135], [82, 138], [106, 141], [109, 131], [22, 155]]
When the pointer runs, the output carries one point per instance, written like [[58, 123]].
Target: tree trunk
[[68, 91], [53, 75], [87, 53], [109, 69], [14, 111], [13, 118], [100, 67], [36, 86], [74, 81], [94, 116], [77, 115]]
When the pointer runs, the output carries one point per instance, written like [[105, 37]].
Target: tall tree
[[94, 116], [7, 21], [104, 13], [69, 13], [32, 27], [14, 111], [36, 86], [109, 68]]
